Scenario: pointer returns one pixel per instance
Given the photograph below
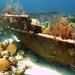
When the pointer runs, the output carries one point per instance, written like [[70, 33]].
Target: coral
[[64, 20], [46, 31], [65, 29], [62, 31], [13, 61], [69, 31], [4, 65], [35, 22], [62, 28], [12, 48], [1, 46], [55, 31], [10, 64]]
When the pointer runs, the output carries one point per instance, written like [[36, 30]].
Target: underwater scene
[[37, 37]]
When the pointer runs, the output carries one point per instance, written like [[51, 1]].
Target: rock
[[7, 73], [5, 54], [21, 68], [14, 70], [19, 57]]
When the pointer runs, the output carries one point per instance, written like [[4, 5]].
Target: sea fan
[[4, 65]]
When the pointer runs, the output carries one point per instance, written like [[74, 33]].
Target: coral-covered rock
[[4, 65], [62, 29], [13, 61]]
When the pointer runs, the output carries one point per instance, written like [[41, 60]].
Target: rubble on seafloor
[[12, 60]]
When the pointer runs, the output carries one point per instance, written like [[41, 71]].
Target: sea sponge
[[4, 65], [12, 48]]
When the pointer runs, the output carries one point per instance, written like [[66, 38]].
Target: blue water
[[64, 6]]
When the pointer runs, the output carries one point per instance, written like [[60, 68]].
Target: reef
[[12, 59]]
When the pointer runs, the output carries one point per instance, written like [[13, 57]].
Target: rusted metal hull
[[49, 47]]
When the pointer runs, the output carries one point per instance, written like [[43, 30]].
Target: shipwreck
[[52, 47]]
